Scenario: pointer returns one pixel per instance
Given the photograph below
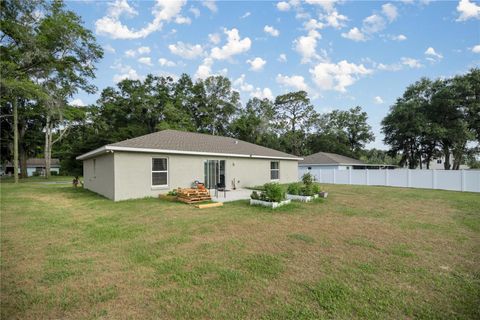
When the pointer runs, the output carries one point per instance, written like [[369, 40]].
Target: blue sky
[[343, 53]]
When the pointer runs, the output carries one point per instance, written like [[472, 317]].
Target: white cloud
[[109, 48], [432, 55], [125, 72], [410, 62], [282, 57], [256, 64], [296, 82], [183, 20], [166, 63], [476, 49], [214, 38], [163, 11], [468, 10], [390, 11], [186, 50], [131, 53], [337, 76], [271, 31], [313, 24], [145, 60], [306, 46], [373, 24], [246, 15], [195, 11], [283, 6], [205, 69], [234, 45], [327, 5], [399, 37], [77, 103], [264, 93], [242, 84], [378, 100], [259, 93], [335, 20], [210, 5], [354, 34]]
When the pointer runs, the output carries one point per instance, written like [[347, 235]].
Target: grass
[[365, 252]]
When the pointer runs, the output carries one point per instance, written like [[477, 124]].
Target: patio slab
[[231, 195]]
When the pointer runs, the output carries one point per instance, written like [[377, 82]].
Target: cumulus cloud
[[109, 48], [378, 100], [335, 20], [405, 62], [163, 11], [354, 34], [313, 24], [399, 37], [337, 76], [214, 38], [210, 5], [259, 93], [145, 60], [410, 62], [282, 57], [186, 50], [468, 10], [77, 103], [125, 72], [264, 93], [373, 24], [390, 11], [205, 69], [306, 46], [195, 11], [432, 55], [131, 53], [166, 63], [296, 82], [256, 64], [476, 49], [271, 31], [327, 5], [283, 6], [235, 45]]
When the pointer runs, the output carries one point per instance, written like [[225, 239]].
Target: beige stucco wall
[[102, 180], [133, 172]]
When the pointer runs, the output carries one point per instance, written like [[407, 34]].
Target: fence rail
[[457, 180]]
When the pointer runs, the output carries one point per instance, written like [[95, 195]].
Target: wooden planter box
[[296, 197], [273, 205], [323, 194]]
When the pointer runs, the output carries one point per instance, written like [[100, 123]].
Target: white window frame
[[278, 170], [151, 173]]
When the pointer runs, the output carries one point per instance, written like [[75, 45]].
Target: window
[[274, 170], [439, 161], [159, 172]]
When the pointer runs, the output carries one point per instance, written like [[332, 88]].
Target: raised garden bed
[[273, 205], [300, 198]]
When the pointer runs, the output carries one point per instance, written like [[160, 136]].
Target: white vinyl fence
[[457, 180]]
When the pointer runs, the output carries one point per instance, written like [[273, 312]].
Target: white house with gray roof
[[326, 160], [158, 162]]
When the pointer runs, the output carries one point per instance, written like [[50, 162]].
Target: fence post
[[334, 176], [350, 175], [462, 175], [434, 179], [366, 176], [408, 178], [386, 177]]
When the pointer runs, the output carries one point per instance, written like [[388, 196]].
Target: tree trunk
[[15, 139], [23, 154], [47, 151], [446, 153]]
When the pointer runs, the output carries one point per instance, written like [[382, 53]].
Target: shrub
[[293, 188], [307, 179], [316, 188], [254, 195], [54, 173], [36, 174], [172, 192], [274, 192], [307, 190]]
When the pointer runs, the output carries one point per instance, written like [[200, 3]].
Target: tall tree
[[296, 117]]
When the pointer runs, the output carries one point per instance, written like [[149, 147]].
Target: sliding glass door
[[214, 173]]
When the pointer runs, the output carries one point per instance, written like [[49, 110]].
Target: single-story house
[[35, 166], [158, 162], [326, 160]]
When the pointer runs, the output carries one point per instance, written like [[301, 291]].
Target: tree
[[296, 116]]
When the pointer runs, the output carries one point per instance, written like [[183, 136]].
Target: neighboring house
[[35, 166], [158, 162], [439, 164], [326, 160]]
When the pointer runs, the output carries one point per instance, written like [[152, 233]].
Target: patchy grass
[[365, 252]]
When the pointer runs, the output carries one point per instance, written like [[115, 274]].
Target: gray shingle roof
[[197, 142], [38, 162], [329, 158]]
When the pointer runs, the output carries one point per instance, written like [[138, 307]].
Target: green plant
[[307, 190], [274, 192], [172, 193], [36, 174], [54, 173], [293, 188], [254, 195], [316, 188], [307, 179]]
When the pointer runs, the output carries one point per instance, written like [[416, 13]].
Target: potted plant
[[272, 196]]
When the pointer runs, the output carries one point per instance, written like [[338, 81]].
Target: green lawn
[[365, 252]]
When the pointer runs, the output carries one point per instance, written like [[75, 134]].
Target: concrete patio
[[230, 195]]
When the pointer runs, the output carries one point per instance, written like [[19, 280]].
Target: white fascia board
[[149, 150]]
